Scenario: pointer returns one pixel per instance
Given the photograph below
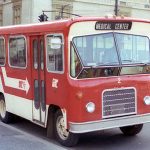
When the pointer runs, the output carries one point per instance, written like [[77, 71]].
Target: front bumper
[[108, 123]]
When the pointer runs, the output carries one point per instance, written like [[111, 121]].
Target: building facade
[[27, 11], [22, 11]]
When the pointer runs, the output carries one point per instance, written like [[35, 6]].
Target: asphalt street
[[24, 135], [12, 138]]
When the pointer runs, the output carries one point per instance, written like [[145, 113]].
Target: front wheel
[[5, 116], [63, 136], [131, 130]]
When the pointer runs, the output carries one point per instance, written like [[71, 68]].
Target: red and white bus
[[76, 76]]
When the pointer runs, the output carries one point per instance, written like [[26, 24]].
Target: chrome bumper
[[108, 123]]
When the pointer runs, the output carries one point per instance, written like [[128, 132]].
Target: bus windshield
[[109, 49]]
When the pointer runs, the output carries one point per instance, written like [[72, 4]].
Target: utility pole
[[116, 7]]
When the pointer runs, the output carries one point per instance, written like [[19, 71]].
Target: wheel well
[[50, 120], [53, 108], [1, 94]]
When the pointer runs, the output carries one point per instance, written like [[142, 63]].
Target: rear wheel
[[5, 116], [63, 136], [132, 130]]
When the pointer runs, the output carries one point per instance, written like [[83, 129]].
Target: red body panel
[[71, 94], [92, 89]]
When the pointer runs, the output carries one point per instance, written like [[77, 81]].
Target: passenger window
[[55, 53], [2, 51], [17, 52]]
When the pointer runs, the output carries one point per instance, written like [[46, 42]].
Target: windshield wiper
[[135, 62], [140, 63], [127, 60], [105, 64]]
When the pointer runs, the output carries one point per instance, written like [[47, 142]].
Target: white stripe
[[15, 83]]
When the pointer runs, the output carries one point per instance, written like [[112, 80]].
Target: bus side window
[[55, 49], [2, 51], [17, 52]]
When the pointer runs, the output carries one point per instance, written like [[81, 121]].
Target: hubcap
[[2, 108], [61, 130]]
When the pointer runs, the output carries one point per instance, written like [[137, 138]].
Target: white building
[[22, 11], [27, 11], [133, 8]]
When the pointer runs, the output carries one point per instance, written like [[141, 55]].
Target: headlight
[[147, 100], [90, 107]]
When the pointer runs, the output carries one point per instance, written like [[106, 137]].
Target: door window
[[43, 95], [36, 94], [42, 54], [35, 54]]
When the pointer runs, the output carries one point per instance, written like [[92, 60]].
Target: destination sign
[[113, 25]]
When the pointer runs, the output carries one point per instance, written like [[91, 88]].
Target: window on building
[[17, 7], [2, 51], [55, 53], [123, 3], [1, 16], [17, 52], [63, 8]]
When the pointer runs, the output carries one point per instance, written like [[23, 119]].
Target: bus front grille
[[118, 102]]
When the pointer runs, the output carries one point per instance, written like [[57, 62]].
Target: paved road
[[24, 135]]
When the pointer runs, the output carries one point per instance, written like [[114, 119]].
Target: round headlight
[[90, 107], [147, 100]]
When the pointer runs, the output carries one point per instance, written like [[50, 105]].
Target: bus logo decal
[[15, 83], [119, 80], [55, 83]]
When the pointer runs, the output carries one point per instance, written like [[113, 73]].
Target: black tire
[[63, 136], [5, 116], [131, 130]]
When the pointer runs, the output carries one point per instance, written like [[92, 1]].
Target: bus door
[[38, 79]]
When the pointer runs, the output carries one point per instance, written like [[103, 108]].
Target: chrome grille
[[119, 102]]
